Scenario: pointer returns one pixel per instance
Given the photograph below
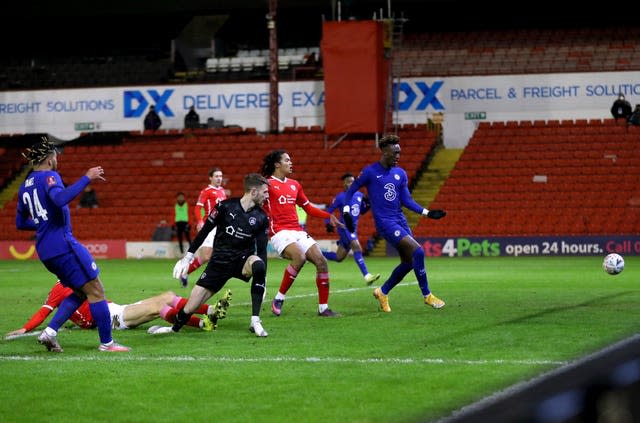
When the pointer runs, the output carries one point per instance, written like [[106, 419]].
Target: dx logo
[[136, 103], [407, 94]]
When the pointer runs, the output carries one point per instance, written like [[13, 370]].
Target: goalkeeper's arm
[[209, 224], [181, 268]]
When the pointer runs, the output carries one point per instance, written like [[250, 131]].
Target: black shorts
[[216, 275]]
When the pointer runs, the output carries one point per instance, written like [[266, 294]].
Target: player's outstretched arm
[[434, 214], [336, 222], [95, 173], [17, 332]]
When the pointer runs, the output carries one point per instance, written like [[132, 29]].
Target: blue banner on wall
[[528, 246]]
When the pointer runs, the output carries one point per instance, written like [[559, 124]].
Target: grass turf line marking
[[337, 291], [288, 360]]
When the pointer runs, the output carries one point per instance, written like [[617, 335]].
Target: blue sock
[[397, 275], [329, 255], [357, 256], [421, 271], [67, 307], [100, 313]]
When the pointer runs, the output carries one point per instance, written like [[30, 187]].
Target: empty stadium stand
[[523, 51], [556, 178], [144, 171], [434, 53]]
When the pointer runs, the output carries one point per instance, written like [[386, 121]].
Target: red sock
[[322, 282], [179, 303], [288, 278], [194, 321], [169, 314], [202, 309], [194, 264]]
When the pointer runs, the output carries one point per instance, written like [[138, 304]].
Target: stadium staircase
[[543, 178], [9, 191], [428, 184]]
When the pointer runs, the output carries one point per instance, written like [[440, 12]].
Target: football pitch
[[507, 320]]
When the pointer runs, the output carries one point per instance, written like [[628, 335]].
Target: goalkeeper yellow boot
[[207, 324], [433, 301], [382, 299], [220, 309]]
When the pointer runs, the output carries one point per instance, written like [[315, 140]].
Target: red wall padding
[[355, 76]]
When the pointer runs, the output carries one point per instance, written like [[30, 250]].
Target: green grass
[[506, 320]]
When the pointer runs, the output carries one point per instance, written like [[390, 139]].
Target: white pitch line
[[337, 291], [332, 360], [408, 361]]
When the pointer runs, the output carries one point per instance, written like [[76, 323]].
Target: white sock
[[50, 331], [322, 307], [279, 296], [255, 319]]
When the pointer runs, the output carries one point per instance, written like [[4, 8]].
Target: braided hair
[[388, 139], [269, 162], [39, 151]]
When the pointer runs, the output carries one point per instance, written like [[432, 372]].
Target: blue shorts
[[346, 238], [393, 232], [75, 268]]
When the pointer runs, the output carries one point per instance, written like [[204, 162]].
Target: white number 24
[[40, 212]]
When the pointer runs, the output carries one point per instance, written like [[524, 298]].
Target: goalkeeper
[[388, 191], [239, 251]]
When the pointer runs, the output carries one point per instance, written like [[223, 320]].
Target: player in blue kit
[[43, 206], [387, 189], [359, 205]]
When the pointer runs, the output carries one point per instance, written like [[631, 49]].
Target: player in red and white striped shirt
[[287, 236], [211, 195]]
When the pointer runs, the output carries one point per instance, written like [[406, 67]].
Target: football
[[613, 264]]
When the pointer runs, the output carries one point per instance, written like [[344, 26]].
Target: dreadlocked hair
[[269, 162], [388, 139], [39, 151]]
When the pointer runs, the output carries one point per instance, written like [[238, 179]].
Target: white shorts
[[117, 316], [282, 239], [208, 242]]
